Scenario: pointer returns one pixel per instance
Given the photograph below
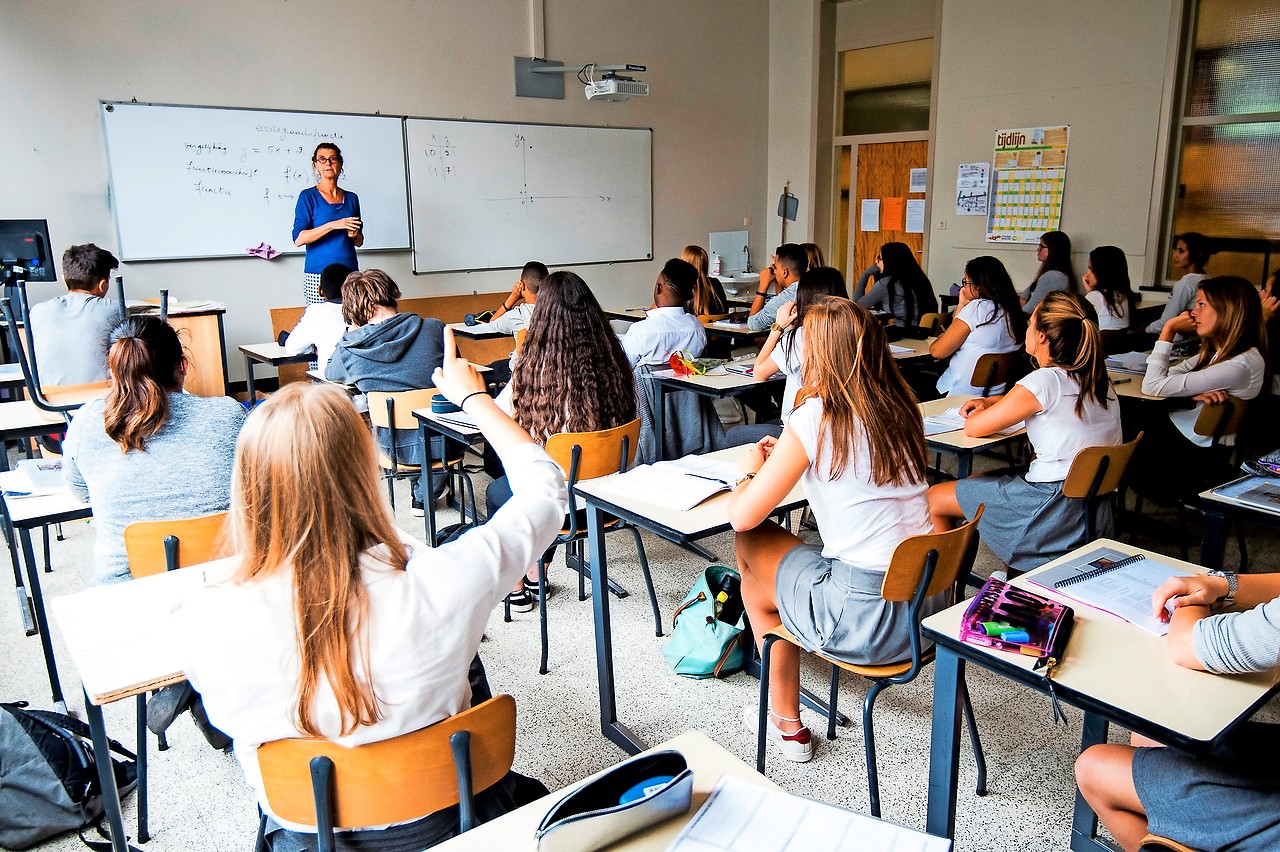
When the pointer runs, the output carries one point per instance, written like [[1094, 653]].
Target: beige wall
[[793, 115], [1026, 64], [445, 58]]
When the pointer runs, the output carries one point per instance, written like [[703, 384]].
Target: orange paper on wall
[[893, 212]]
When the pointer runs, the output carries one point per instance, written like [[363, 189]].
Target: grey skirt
[[835, 608], [1026, 524], [1227, 800]]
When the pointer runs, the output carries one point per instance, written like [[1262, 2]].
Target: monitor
[[25, 243]]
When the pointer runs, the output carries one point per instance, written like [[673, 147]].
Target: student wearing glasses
[[326, 220], [988, 319]]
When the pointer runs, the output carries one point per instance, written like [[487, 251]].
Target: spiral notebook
[[1114, 582]]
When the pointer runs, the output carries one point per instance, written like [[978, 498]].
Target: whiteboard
[[486, 195], [195, 182]]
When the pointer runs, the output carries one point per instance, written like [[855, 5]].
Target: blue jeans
[[409, 451]]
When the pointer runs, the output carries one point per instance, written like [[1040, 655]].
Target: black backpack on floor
[[48, 779]]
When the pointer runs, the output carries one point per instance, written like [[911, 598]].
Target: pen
[[707, 478], [1121, 381]]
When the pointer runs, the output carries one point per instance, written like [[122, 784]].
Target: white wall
[[443, 58], [792, 49]]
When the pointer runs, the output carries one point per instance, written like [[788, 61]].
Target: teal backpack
[[701, 645]]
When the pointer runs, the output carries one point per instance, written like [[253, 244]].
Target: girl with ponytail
[[1068, 404], [148, 452]]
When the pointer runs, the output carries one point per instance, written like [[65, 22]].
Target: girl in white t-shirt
[[856, 442], [1068, 404], [1106, 286], [988, 319]]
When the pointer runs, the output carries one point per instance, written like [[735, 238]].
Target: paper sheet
[[919, 180], [870, 218], [892, 214], [915, 215], [971, 189]]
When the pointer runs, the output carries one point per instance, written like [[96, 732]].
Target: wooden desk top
[[1127, 668], [957, 439], [717, 382], [708, 516], [1212, 496], [1128, 384], [919, 348], [464, 330], [626, 314], [273, 354], [23, 414], [456, 430], [708, 760]]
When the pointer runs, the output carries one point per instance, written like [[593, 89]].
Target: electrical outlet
[[942, 224], [746, 221]]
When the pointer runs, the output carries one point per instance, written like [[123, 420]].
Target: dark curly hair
[[572, 375]]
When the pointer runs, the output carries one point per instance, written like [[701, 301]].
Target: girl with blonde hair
[[856, 442], [347, 629], [708, 293]]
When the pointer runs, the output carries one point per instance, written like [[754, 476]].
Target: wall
[[1003, 65], [793, 51], [444, 58]]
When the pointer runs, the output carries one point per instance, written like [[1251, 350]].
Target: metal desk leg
[[614, 730], [1214, 544], [24, 600], [42, 623], [1084, 822], [252, 398], [106, 777], [143, 834], [964, 464], [944, 744], [428, 487], [660, 417]]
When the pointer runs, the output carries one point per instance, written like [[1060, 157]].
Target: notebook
[[1128, 362], [680, 484], [1113, 582]]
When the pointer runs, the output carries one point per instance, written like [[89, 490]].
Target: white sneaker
[[797, 747], [1002, 576]]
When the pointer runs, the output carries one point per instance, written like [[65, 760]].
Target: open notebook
[[680, 484], [1113, 582]]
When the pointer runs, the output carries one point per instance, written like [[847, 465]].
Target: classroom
[[749, 100]]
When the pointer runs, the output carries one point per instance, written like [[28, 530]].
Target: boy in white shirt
[[667, 327], [516, 308], [322, 325]]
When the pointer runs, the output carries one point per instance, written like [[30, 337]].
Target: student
[[708, 293], [668, 327], [1055, 272], [902, 289], [70, 332], [1191, 254], [813, 252], [1227, 316], [388, 351], [345, 628], [782, 350], [321, 325], [1230, 798], [148, 452], [1106, 286], [790, 261], [518, 305], [856, 442], [988, 319], [572, 377], [1068, 404]]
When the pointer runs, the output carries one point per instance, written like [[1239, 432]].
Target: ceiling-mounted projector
[[613, 89]]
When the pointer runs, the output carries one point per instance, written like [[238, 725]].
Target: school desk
[[21, 419], [1219, 511], [610, 495], [204, 341], [1130, 385], [463, 330], [1112, 670], [430, 423], [272, 354], [957, 443], [715, 384]]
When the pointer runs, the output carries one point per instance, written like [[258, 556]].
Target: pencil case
[[1013, 619], [633, 795], [441, 405]]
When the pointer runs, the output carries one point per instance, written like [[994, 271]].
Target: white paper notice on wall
[[915, 215], [919, 180], [870, 218], [971, 189]]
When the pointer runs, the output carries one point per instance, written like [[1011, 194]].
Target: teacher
[[327, 221]]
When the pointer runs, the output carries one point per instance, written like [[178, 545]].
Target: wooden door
[[884, 172]]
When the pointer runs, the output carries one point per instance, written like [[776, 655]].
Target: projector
[[615, 89]]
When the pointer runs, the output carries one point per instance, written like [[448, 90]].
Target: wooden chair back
[[396, 780], [956, 550], [284, 319], [399, 414], [601, 452], [1222, 420], [520, 336], [992, 369], [935, 322], [153, 547], [1155, 843], [1110, 461]]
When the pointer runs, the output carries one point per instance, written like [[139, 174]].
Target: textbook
[[1113, 582], [681, 484], [35, 477], [951, 421], [1256, 491]]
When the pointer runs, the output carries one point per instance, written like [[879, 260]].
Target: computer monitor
[[25, 243]]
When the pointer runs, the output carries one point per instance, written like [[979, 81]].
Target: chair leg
[[506, 608], [542, 613], [260, 845], [143, 833], [766, 651], [648, 581], [832, 697], [869, 741], [582, 574], [979, 758], [391, 488]]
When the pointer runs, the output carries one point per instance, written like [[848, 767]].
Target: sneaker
[[167, 704], [416, 509], [1002, 576], [521, 601], [797, 747], [531, 586]]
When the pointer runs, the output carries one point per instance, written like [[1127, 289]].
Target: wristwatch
[[774, 327], [1233, 581]]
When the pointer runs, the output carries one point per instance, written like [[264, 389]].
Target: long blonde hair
[[305, 499], [848, 365], [704, 299]]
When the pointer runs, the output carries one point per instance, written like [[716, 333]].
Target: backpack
[[48, 780]]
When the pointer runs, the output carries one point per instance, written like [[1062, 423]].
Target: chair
[[588, 455], [315, 782], [394, 410], [935, 323], [921, 566], [992, 369], [285, 319], [1155, 843], [1096, 472], [153, 547]]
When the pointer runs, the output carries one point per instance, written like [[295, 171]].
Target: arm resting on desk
[[988, 416], [778, 464], [1230, 643]]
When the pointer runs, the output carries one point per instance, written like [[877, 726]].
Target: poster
[[870, 218], [891, 214], [919, 180], [1029, 171], [971, 189], [915, 215]]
